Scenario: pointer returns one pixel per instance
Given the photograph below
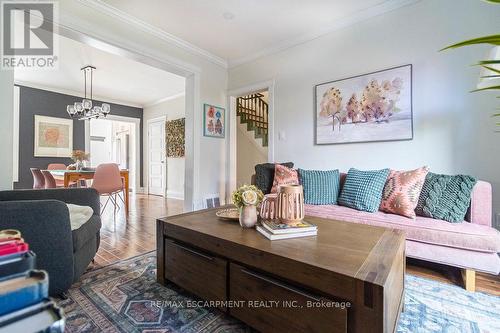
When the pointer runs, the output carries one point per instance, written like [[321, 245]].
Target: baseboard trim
[[175, 195]]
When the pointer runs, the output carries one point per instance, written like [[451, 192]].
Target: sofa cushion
[[264, 175], [445, 197], [363, 189], [464, 235], [320, 187], [284, 176], [401, 191], [86, 232]]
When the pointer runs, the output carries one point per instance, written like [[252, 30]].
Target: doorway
[[116, 141], [240, 164]]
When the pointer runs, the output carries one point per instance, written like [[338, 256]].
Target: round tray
[[228, 214]]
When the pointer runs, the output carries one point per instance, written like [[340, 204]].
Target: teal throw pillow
[[363, 189], [320, 187]]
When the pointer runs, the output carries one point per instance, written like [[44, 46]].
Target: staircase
[[252, 110]]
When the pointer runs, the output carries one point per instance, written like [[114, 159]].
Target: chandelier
[[84, 110]]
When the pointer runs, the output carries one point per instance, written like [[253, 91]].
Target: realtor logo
[[28, 36]]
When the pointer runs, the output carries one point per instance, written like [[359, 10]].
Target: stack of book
[[24, 302], [274, 230]]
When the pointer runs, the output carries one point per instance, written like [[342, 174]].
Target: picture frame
[[214, 121], [53, 136], [371, 107]]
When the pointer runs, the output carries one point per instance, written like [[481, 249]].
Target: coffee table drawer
[[198, 272], [271, 305]]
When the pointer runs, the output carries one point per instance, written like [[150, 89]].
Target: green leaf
[[496, 115], [489, 62], [493, 1], [493, 39], [489, 76], [487, 88], [492, 69]]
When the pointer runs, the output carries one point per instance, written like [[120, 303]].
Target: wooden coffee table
[[349, 278]]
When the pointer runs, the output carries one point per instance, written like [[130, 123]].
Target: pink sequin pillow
[[401, 191], [284, 176]]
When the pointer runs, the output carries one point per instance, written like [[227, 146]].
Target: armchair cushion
[[86, 232]]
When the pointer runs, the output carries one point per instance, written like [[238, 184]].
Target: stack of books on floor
[[274, 230], [24, 303]]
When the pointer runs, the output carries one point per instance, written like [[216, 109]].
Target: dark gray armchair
[[43, 219]]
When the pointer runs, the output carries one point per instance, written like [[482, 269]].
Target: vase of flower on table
[[79, 157], [246, 198]]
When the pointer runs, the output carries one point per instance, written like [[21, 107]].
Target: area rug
[[124, 297]]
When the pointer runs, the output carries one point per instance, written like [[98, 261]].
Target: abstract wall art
[[53, 137], [365, 108], [175, 132]]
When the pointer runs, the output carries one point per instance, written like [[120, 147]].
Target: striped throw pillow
[[363, 189], [320, 187]]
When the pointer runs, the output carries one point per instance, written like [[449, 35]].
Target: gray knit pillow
[[445, 197]]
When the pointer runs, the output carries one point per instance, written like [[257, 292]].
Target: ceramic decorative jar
[[290, 205], [268, 206]]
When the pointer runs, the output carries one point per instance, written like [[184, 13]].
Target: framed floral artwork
[[53, 137], [365, 108], [214, 121]]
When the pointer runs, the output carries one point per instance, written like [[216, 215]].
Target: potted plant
[[79, 156], [246, 198]]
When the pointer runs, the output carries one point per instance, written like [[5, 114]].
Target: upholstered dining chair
[[38, 179], [108, 182], [50, 181], [56, 166]]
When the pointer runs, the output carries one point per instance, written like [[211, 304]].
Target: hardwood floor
[[137, 234]]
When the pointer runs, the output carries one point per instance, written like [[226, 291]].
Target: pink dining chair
[[108, 182], [50, 181], [56, 166], [38, 179]]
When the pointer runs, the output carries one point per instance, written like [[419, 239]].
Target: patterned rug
[[124, 297]]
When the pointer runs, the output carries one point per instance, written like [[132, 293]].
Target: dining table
[[74, 176]]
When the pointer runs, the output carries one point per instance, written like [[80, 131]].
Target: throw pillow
[[264, 175], [402, 190], [363, 189], [284, 176], [320, 187], [445, 197]]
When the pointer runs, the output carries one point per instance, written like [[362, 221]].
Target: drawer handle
[[193, 251], [281, 285]]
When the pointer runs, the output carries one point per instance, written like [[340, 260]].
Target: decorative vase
[[290, 207], [248, 216], [268, 206], [79, 165]]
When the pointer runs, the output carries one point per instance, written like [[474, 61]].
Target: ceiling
[[116, 79], [241, 30]]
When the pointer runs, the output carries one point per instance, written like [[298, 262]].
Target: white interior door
[[157, 168]]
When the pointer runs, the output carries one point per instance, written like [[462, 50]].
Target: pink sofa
[[472, 245]]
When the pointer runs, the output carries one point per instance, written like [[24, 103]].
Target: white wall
[[172, 109], [454, 132], [6, 125], [247, 155]]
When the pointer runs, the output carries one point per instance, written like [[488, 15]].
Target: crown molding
[[359, 16], [144, 26], [161, 100]]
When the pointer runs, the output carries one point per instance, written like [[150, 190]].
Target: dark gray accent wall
[[47, 103]]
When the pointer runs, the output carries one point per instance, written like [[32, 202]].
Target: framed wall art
[[365, 108], [53, 137], [214, 122], [175, 130]]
